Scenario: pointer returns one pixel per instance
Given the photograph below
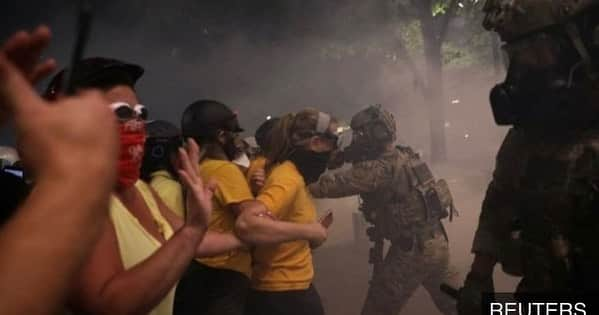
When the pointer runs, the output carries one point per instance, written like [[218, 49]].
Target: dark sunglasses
[[124, 111]]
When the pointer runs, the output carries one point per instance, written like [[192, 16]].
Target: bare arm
[[39, 235], [255, 227], [50, 236], [213, 244], [105, 287]]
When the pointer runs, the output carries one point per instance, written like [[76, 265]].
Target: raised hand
[[199, 195], [74, 138], [24, 50]]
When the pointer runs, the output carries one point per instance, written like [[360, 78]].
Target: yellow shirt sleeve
[[231, 185], [280, 190]]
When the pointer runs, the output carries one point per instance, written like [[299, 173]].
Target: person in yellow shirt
[[255, 174], [157, 169], [219, 284], [301, 145]]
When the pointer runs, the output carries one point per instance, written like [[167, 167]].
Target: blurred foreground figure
[[64, 145], [405, 204], [539, 218]]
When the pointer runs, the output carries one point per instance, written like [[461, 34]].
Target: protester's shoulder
[[219, 168], [142, 186], [285, 171], [163, 183], [259, 162], [161, 178]]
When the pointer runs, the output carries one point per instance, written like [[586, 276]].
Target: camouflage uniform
[[542, 202], [539, 218], [419, 250]]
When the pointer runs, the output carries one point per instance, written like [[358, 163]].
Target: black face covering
[[310, 164]]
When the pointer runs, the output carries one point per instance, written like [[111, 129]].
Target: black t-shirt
[[13, 191]]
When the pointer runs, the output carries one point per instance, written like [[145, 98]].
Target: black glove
[[470, 296]]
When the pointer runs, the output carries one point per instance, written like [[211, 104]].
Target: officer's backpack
[[434, 194]]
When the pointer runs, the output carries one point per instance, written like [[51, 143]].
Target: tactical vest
[[414, 202]]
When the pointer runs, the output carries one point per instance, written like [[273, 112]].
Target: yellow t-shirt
[[286, 266], [231, 188], [169, 190], [135, 243], [255, 164]]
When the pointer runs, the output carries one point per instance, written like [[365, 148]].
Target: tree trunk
[[434, 73], [434, 91]]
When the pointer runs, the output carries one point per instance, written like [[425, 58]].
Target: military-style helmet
[[378, 124], [512, 19]]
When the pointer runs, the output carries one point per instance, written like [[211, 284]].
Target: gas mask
[[549, 82], [373, 128], [361, 148]]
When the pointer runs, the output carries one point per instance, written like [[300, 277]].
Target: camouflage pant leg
[[437, 261], [393, 286], [403, 272]]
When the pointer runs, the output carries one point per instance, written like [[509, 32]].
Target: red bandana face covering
[[133, 137]]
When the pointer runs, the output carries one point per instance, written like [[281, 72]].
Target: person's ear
[[221, 136]]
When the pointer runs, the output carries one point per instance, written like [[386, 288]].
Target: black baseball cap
[[96, 72], [203, 118]]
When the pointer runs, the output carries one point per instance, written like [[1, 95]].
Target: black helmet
[[202, 119], [161, 129], [97, 72], [163, 139]]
